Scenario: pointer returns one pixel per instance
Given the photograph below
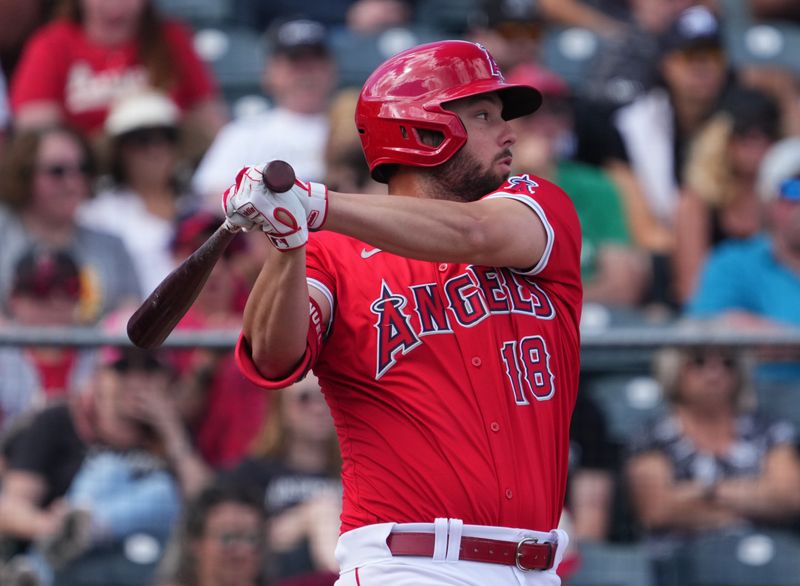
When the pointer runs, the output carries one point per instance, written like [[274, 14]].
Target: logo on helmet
[[494, 68]]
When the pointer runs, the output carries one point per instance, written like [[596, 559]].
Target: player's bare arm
[[494, 232]]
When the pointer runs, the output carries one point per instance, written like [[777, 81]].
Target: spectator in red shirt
[[225, 410], [74, 68], [46, 291]]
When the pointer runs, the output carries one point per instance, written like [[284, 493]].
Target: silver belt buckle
[[518, 553]]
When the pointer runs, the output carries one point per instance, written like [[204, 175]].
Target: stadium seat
[[759, 42], [236, 56], [779, 401], [358, 55], [197, 13], [453, 17], [569, 52], [628, 401], [743, 559], [613, 565]]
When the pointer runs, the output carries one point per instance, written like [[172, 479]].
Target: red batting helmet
[[407, 92]]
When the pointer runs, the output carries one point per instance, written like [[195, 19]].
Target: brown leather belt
[[526, 554]]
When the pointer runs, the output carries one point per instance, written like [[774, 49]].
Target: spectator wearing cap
[[47, 174], [46, 291], [613, 271], [224, 411], [719, 200], [644, 147], [146, 195], [756, 282], [86, 474], [299, 77]]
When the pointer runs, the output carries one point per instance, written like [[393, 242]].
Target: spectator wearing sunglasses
[[756, 282], [221, 540], [296, 467], [145, 196], [46, 292], [48, 173], [710, 463]]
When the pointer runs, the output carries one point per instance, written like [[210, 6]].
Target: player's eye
[[483, 115]]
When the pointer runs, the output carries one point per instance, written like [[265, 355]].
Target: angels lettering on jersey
[[404, 317]]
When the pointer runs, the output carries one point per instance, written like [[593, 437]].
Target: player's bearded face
[[464, 178]]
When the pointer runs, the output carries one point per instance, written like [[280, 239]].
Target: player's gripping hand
[[248, 204]]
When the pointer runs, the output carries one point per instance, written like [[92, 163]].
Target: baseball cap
[[299, 38], [147, 109], [42, 273], [694, 28], [779, 169], [752, 110]]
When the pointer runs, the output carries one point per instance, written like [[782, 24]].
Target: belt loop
[[440, 540], [454, 539]]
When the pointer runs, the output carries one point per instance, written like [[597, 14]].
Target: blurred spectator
[[296, 466], [48, 174], [594, 462], [775, 9], [5, 114], [299, 76], [710, 464], [103, 466], [145, 198], [224, 410], [658, 127], [346, 169], [604, 17], [782, 84], [367, 17], [719, 200], [17, 21], [627, 65], [46, 292], [614, 272], [221, 540], [74, 68], [756, 282], [511, 32], [261, 14]]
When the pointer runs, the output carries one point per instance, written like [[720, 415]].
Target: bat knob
[[279, 176]]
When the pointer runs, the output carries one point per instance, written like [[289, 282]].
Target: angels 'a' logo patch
[[493, 67], [523, 181]]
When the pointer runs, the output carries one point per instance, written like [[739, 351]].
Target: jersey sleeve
[[560, 260], [41, 72], [322, 280]]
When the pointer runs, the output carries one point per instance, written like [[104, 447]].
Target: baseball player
[[442, 322]]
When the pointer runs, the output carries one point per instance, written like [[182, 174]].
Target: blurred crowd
[[673, 126]]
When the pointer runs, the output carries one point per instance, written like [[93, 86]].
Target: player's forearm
[[478, 233], [276, 314]]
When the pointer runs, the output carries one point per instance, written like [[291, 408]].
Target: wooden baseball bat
[[158, 315]]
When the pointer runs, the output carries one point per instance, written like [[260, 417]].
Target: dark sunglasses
[[233, 538], [790, 189], [62, 170], [149, 137], [702, 360]]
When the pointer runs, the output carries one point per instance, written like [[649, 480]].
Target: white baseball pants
[[365, 559]]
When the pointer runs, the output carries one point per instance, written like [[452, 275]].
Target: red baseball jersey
[[451, 385], [61, 64]]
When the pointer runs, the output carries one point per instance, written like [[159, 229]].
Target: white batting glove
[[314, 199], [248, 205]]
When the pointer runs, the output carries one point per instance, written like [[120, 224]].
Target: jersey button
[[495, 426], [476, 361], [442, 267], [509, 494]]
